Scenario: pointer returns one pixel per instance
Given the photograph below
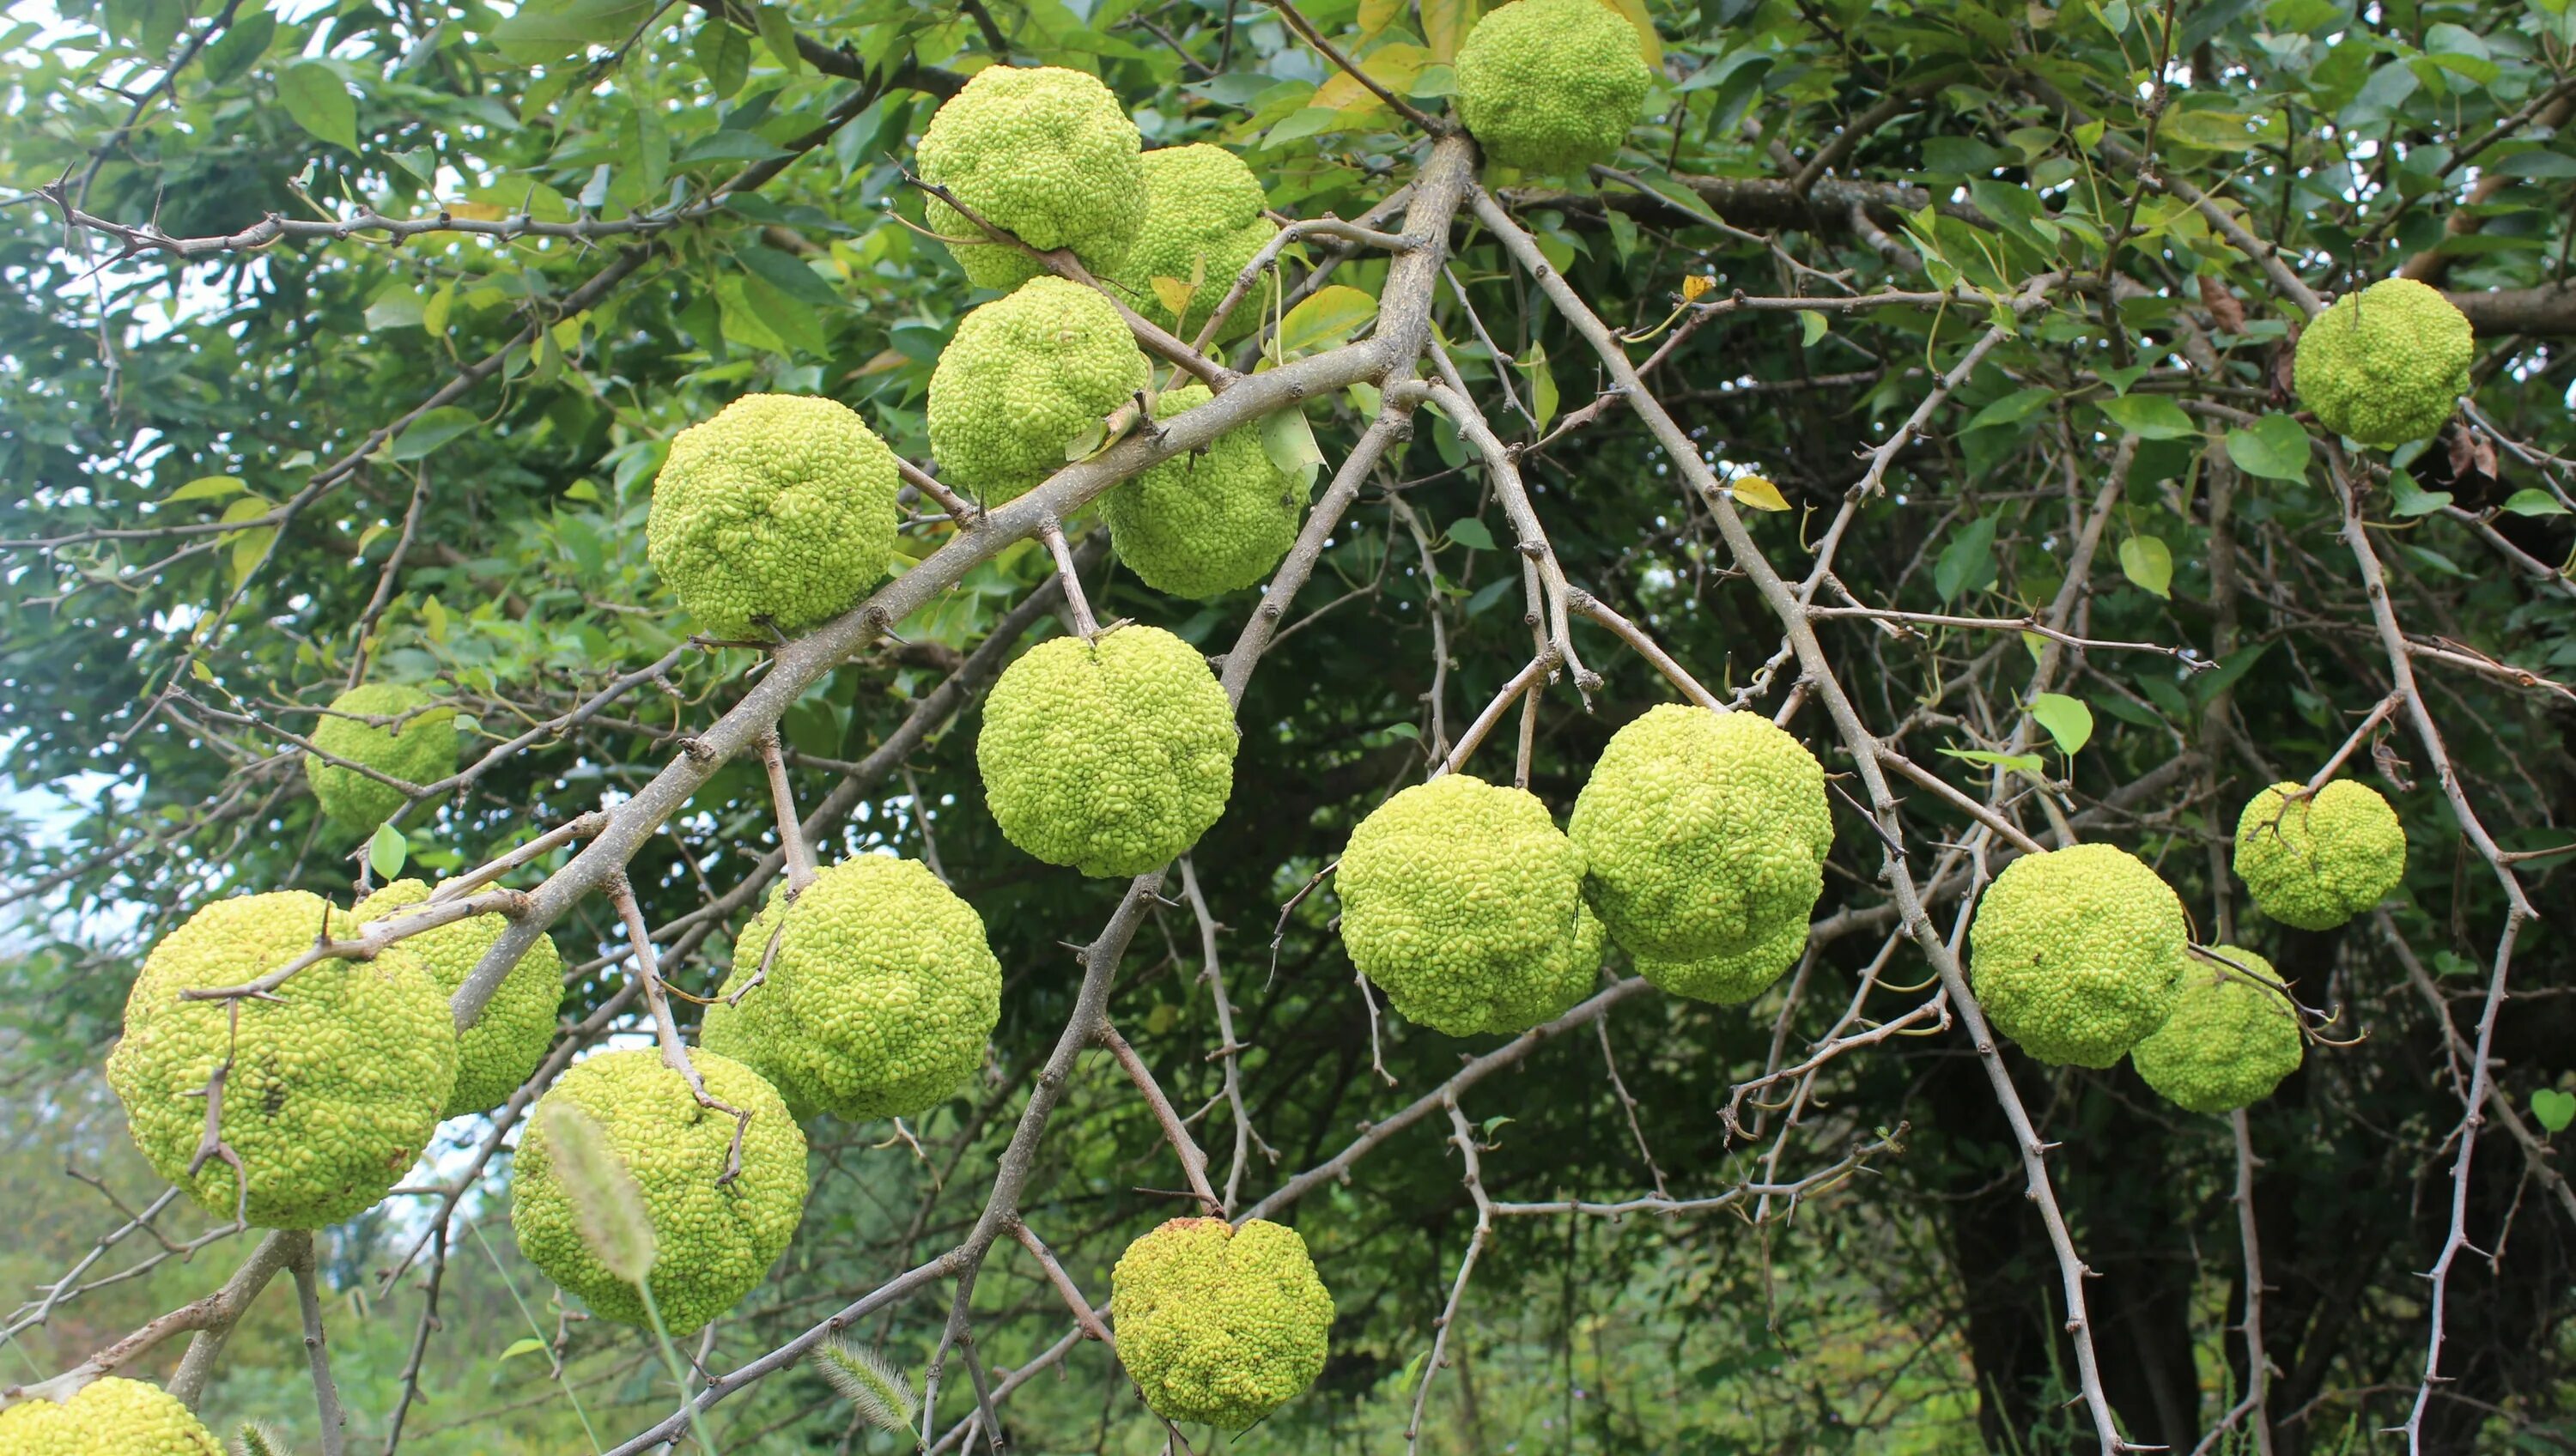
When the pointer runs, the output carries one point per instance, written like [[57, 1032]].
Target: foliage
[[345, 343]]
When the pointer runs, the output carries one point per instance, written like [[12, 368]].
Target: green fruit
[[2228, 1043], [1041, 152], [1112, 756], [1704, 836], [334, 1087], [2077, 953], [1465, 905], [111, 1416], [1203, 224], [1551, 85], [496, 1054], [2316, 861], [877, 1000], [1735, 975], [1025, 379], [1208, 521], [712, 1244], [773, 517], [420, 750], [2387, 364], [1219, 1324]]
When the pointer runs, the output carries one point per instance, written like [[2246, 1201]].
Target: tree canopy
[[1921, 379]]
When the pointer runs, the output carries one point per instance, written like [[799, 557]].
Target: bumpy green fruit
[[1203, 223], [878, 998], [504, 1045], [1044, 153], [112, 1416], [2078, 953], [1206, 522], [2317, 861], [2387, 364], [712, 1244], [1735, 975], [334, 1087], [419, 750], [778, 514], [1704, 836], [2228, 1043], [1112, 756], [1551, 85], [1465, 905], [1220, 1324], [1024, 378]]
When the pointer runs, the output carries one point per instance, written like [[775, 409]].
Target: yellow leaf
[[1395, 66], [1377, 15], [1174, 295], [884, 360], [1634, 12], [1696, 287], [1757, 492], [475, 211], [1334, 313], [245, 508], [1445, 24]]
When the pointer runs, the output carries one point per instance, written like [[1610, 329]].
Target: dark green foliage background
[[1912, 1309]]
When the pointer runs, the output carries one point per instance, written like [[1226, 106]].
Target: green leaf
[[788, 275], [386, 851], [2274, 447], [2521, 503], [552, 30], [2380, 96], [2148, 564], [778, 33], [1543, 396], [2013, 408], [1334, 313], [727, 146], [239, 48], [524, 1345], [724, 53], [1469, 532], [249, 547], [794, 321], [396, 306], [2149, 417], [432, 430], [2553, 1109], [2016, 209], [2066, 719], [215, 487], [2406, 498], [314, 95], [1813, 326], [1412, 1373], [1301, 124], [421, 162], [1290, 443], [2234, 665], [1968, 563], [2021, 763]]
